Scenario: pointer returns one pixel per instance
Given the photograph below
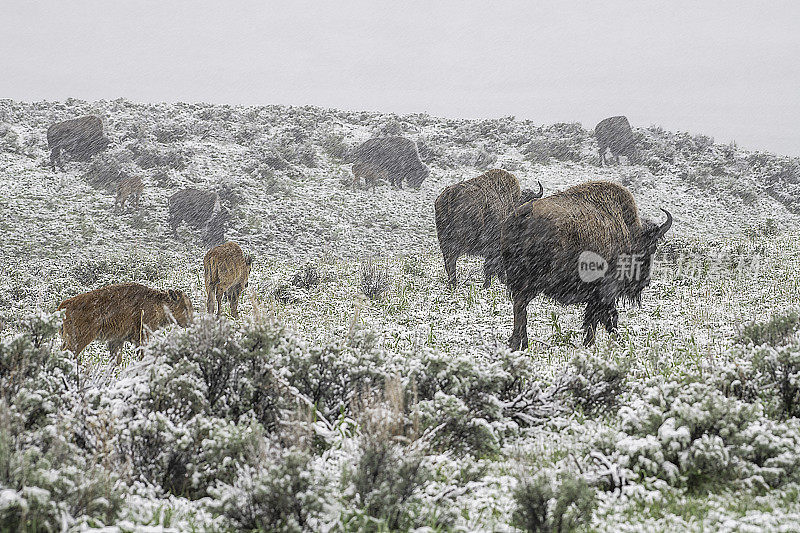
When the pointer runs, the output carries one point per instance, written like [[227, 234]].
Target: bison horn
[[665, 226], [541, 190]]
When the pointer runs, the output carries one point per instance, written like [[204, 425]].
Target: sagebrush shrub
[[779, 375], [596, 384], [278, 494], [374, 280], [692, 435], [307, 278], [543, 505], [777, 330]]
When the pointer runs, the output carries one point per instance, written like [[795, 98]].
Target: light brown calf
[[226, 271], [370, 173], [120, 313], [130, 187]]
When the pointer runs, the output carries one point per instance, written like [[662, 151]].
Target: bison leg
[[210, 299], [592, 316], [113, 348], [610, 319], [492, 266], [55, 157], [219, 295], [233, 296], [450, 268], [519, 337]]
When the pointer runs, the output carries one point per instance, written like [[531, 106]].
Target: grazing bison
[[82, 137], [583, 245], [200, 210], [615, 133], [226, 271], [120, 313], [468, 218], [128, 187], [395, 158]]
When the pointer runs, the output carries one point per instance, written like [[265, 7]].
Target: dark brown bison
[[468, 218], [615, 134], [121, 313], [200, 210], [128, 187], [396, 158], [583, 245], [226, 269], [82, 137]]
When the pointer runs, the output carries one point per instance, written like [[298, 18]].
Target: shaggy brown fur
[[227, 269], [130, 187], [82, 137], [468, 217], [542, 241], [121, 313]]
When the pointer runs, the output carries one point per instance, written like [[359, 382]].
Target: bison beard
[[468, 217], [542, 241]]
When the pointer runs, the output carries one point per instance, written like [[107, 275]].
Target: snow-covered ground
[[676, 424]]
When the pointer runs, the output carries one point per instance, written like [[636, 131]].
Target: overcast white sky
[[727, 69]]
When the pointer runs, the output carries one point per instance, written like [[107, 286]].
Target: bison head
[[180, 306], [528, 194], [417, 176], [642, 255]]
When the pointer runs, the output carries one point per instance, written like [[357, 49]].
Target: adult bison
[[468, 218], [615, 134], [200, 210], [395, 158], [226, 269], [120, 313], [82, 137], [583, 245]]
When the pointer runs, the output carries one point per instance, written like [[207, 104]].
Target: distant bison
[[615, 134], [128, 187], [395, 158], [468, 218], [226, 269], [200, 210], [583, 245], [82, 137], [120, 313]]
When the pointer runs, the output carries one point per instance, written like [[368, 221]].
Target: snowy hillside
[[357, 392]]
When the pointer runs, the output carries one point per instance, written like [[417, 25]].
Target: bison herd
[[585, 245]]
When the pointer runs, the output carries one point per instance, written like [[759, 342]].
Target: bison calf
[[227, 269], [120, 313], [129, 187], [370, 173]]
